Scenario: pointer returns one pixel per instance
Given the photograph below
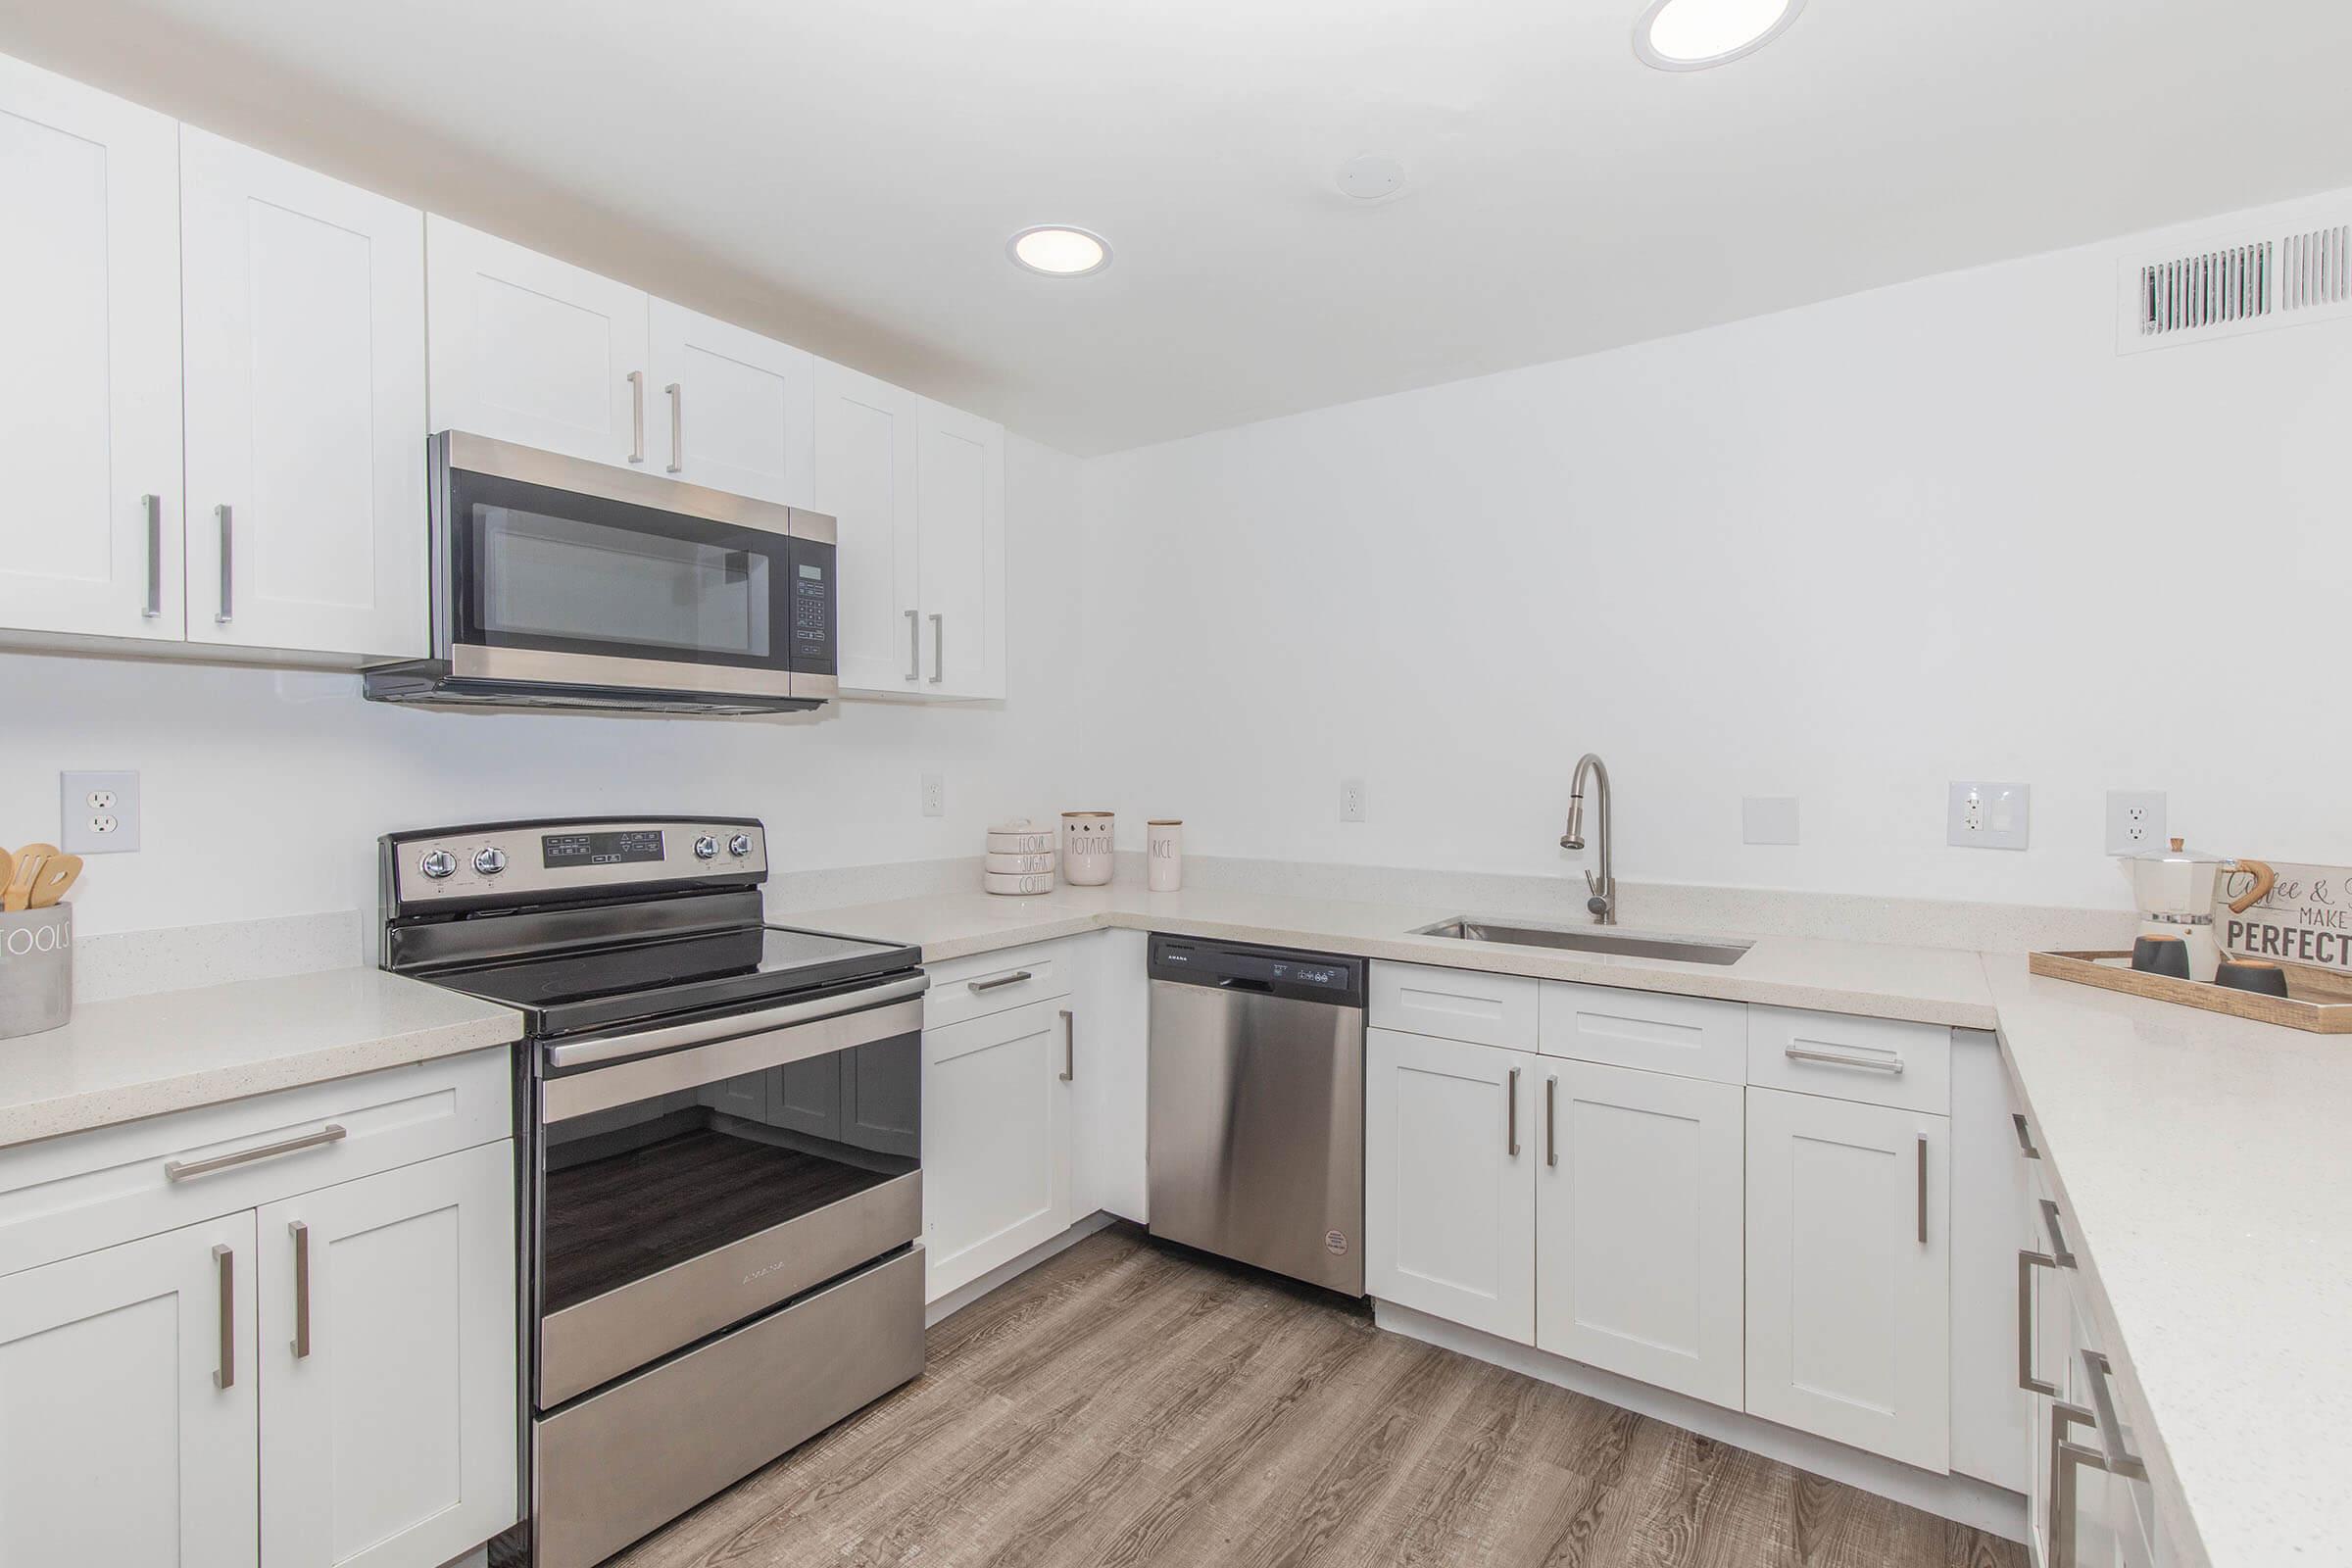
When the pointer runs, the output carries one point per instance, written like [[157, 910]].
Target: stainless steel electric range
[[720, 1183]]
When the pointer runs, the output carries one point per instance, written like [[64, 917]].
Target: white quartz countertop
[[1883, 980], [173, 1051], [2207, 1162]]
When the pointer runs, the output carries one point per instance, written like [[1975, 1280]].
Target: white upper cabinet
[[731, 409], [866, 479], [529, 349], [961, 507], [305, 333], [89, 333]]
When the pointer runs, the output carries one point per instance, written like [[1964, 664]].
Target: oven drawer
[[600, 1337], [642, 1452]]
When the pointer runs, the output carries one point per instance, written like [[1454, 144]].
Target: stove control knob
[[437, 863], [705, 847], [490, 861], [740, 845]]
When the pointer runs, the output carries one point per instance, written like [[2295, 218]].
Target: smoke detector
[[1369, 177]]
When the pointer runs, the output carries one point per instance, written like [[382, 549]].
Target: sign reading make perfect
[[2305, 918]]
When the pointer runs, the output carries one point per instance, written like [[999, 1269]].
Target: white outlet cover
[[78, 819], [1981, 814], [1768, 819], [1352, 800], [2134, 822], [935, 795]]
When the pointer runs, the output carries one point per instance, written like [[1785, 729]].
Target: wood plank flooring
[[1129, 1404]]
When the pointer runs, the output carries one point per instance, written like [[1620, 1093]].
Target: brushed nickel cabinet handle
[[1013, 979], [677, 428], [302, 1290], [2059, 1252], [154, 506], [228, 585], [2067, 1459], [915, 645], [939, 649], [1923, 1189], [1552, 1122], [180, 1170], [1513, 1138], [2026, 1263], [1069, 1046], [224, 1268], [1892, 1066], [2121, 1462], [2024, 1137], [636, 415]]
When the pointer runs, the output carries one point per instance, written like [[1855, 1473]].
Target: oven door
[[554, 571], [690, 1176]]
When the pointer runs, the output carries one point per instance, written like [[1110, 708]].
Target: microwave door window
[[549, 579]]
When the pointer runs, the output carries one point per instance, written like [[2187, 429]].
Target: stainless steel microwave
[[562, 583]]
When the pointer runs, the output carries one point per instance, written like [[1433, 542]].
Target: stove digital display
[[599, 848]]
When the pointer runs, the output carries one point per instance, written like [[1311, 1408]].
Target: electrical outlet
[[1980, 815], [1352, 800], [2135, 820], [935, 795], [98, 814]]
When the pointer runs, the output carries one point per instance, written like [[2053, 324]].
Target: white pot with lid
[[2176, 888]]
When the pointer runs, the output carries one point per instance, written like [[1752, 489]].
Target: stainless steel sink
[[1522, 933]]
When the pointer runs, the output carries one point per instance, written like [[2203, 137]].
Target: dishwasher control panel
[[1269, 971]]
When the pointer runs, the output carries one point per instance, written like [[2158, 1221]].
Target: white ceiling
[[844, 173]]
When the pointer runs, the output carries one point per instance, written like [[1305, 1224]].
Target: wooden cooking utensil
[[19, 893], [8, 868], [54, 880]]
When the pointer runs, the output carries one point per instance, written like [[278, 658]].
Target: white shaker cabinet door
[[962, 554], [1848, 1273], [89, 338], [387, 1366], [1638, 1225], [127, 1403], [305, 407], [864, 439], [1450, 1153], [524, 348], [731, 410], [995, 1140]]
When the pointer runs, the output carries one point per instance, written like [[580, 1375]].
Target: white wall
[[266, 791], [1846, 553]]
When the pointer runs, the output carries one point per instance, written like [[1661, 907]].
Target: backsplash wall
[[265, 790], [1846, 553]]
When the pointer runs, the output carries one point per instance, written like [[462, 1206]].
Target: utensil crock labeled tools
[[1086, 848], [1165, 841], [36, 970]]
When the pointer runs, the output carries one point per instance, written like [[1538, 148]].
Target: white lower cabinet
[[1638, 1237], [1848, 1273], [128, 1405], [996, 1138], [387, 1365], [1449, 1192]]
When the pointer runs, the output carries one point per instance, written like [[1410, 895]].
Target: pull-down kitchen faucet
[[1603, 902]]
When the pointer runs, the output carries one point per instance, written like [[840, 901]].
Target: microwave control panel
[[813, 606]]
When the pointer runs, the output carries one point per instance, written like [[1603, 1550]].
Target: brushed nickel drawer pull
[[1923, 1189], [224, 1267], [1892, 1066], [1552, 1122], [2121, 1460], [1513, 1138], [915, 645], [636, 415], [226, 518], [154, 506], [2027, 1382], [2059, 1252], [2066, 1458], [939, 649], [302, 1290], [1069, 1046], [180, 1171], [1013, 979], [2024, 1137], [677, 428]]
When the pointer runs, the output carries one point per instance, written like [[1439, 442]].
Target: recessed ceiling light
[[1059, 250], [1693, 35]]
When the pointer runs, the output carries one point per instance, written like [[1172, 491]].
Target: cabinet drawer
[[1484, 1009], [1692, 1037], [996, 982], [1878, 1061], [91, 1190]]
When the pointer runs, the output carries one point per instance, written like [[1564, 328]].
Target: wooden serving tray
[[2317, 1000]]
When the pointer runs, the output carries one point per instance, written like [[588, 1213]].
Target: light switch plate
[[1983, 816], [1768, 819], [98, 814], [2134, 822]]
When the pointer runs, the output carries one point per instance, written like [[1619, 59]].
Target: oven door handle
[[704, 1031]]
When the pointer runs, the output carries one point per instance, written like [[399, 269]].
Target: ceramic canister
[[1086, 848], [1165, 837], [1018, 865], [36, 970], [1021, 836]]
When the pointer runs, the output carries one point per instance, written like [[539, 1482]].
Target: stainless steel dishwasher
[[1256, 1127]]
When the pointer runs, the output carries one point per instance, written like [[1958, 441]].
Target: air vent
[[2240, 284]]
